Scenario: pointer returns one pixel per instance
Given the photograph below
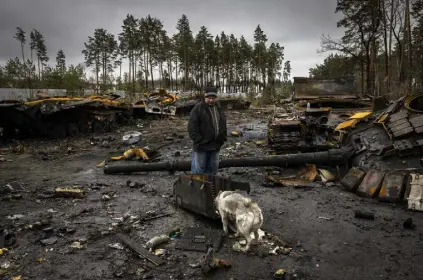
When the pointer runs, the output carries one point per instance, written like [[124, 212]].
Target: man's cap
[[210, 91]]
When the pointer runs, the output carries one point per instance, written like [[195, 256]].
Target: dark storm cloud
[[66, 24]]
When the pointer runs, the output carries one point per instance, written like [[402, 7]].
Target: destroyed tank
[[389, 148], [338, 94], [59, 117], [319, 106]]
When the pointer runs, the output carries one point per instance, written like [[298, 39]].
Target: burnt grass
[[328, 241]]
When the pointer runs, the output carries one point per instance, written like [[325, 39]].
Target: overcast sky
[[295, 24]]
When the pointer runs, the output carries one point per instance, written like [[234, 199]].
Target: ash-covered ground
[[75, 238]]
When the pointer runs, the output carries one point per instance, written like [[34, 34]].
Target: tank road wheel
[[7, 132], [229, 105], [97, 126], [84, 127], [111, 123], [73, 129], [123, 119], [59, 131]]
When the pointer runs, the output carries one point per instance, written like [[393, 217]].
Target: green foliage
[[334, 66], [100, 53]]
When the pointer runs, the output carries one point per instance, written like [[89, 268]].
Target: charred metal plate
[[370, 186], [403, 145], [353, 179], [403, 132], [400, 127], [398, 116], [197, 192], [398, 123], [393, 188], [199, 239], [417, 121], [419, 142]]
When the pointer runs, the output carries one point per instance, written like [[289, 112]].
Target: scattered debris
[[199, 239], [408, 224], [77, 245], [209, 262], [49, 241], [74, 192], [280, 274], [15, 217], [140, 250], [364, 215], [117, 246], [157, 240], [131, 137]]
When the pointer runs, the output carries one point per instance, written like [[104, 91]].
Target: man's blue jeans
[[205, 162]]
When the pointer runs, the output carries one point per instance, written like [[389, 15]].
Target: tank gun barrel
[[331, 157]]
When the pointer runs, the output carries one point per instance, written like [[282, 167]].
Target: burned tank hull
[[59, 117], [308, 131], [14, 120], [389, 153]]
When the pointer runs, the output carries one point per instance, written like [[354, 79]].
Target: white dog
[[241, 210]]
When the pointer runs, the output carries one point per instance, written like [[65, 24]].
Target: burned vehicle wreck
[[162, 102], [59, 117], [388, 153], [319, 106]]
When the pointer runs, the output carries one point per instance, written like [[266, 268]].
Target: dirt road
[[68, 238]]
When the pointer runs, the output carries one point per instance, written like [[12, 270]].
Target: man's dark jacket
[[201, 129]]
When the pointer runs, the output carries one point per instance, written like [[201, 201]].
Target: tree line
[[183, 61], [382, 46], [35, 72]]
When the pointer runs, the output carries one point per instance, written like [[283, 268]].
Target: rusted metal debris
[[135, 246], [197, 192]]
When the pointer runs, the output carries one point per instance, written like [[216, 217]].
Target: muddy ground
[[318, 223]]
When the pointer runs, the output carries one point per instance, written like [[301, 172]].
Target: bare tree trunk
[[134, 61], [390, 40], [146, 69], [129, 72], [385, 41], [409, 44], [176, 67], [151, 72]]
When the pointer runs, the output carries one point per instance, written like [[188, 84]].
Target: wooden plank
[[139, 249], [398, 116]]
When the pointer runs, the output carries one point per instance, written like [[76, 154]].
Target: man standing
[[207, 130]]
